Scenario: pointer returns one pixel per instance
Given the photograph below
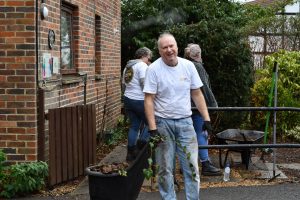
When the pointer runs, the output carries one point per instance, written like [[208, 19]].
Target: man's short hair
[[163, 35]]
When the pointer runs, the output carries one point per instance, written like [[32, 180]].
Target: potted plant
[[118, 180]]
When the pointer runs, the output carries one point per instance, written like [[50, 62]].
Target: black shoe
[[132, 152], [209, 170]]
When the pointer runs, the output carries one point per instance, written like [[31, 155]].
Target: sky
[[289, 9]]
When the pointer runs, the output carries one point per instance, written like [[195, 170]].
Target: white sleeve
[[150, 81], [142, 70]]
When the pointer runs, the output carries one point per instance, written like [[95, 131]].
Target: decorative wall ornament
[[51, 38]]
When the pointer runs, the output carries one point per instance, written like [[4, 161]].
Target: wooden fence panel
[[57, 145], [72, 142], [85, 138], [52, 149], [94, 137], [75, 142], [80, 140], [63, 126]]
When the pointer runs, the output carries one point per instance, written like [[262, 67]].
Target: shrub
[[118, 133], [20, 179], [2, 159], [294, 133], [288, 90]]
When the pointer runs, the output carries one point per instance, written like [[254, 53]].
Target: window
[[98, 44], [66, 40]]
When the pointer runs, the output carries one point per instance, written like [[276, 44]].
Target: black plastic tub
[[115, 186]]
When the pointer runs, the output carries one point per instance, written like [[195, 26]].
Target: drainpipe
[[37, 42], [84, 83], [40, 155], [40, 94], [84, 79]]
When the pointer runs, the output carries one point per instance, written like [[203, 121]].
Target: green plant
[[154, 141], [294, 133], [118, 133], [2, 159], [122, 172], [288, 90], [20, 179], [188, 156]]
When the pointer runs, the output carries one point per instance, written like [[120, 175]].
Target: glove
[[153, 133], [155, 137], [207, 127]]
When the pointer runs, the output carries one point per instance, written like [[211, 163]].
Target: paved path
[[290, 191], [285, 191], [274, 192]]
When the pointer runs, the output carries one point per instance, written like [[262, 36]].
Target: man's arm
[[149, 110], [199, 101]]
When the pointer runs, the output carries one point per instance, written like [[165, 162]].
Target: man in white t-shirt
[[170, 83]]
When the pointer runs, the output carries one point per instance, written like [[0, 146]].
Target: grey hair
[[191, 49], [163, 35], [195, 50], [143, 52]]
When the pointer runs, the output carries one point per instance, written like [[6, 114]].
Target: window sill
[[99, 77], [70, 79]]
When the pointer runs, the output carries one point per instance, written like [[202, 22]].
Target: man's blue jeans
[[202, 136], [136, 113], [177, 131]]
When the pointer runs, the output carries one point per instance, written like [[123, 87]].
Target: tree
[[218, 26]]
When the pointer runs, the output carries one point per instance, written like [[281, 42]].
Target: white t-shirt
[[134, 89], [172, 86]]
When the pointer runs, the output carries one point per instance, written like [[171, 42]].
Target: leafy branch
[[154, 141]]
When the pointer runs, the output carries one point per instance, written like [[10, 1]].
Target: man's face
[[168, 50]]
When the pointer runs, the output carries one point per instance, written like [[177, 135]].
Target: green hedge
[[288, 92]]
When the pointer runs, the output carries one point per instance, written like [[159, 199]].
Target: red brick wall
[[18, 125], [20, 78]]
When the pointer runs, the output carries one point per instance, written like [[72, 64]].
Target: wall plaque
[[51, 38]]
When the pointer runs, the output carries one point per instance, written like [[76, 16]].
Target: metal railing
[[249, 146]]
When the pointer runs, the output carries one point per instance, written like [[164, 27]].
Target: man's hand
[[207, 127], [153, 133], [155, 138]]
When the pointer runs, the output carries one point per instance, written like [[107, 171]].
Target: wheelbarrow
[[237, 136]]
